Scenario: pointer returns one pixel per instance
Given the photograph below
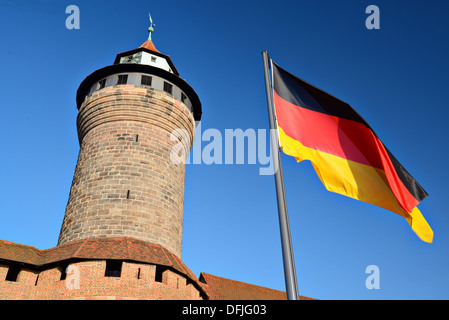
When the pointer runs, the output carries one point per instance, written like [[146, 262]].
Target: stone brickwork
[[87, 280], [125, 184]]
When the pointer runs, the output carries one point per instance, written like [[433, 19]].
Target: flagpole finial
[[151, 27]]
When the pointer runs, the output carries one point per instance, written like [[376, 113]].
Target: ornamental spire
[[150, 29]]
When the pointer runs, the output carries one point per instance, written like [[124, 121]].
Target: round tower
[[132, 116]]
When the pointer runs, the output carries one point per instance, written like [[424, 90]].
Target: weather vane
[[150, 29]]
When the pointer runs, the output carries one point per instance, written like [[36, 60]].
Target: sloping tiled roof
[[219, 288], [99, 249], [149, 45]]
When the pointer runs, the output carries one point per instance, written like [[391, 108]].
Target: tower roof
[[149, 45], [149, 48], [147, 54], [147, 59]]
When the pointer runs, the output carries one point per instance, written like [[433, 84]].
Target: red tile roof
[[149, 45], [219, 288]]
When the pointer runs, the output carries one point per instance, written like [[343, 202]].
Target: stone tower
[[133, 115], [121, 237]]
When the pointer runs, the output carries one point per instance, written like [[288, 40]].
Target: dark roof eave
[[99, 74]]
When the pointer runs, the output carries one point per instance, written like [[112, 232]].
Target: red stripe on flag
[[344, 138], [341, 137]]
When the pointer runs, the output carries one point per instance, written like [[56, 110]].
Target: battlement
[[90, 280], [119, 268]]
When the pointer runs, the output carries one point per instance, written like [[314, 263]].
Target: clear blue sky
[[395, 77]]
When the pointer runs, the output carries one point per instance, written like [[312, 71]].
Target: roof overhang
[[99, 74]]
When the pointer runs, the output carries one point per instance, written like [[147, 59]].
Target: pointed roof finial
[[150, 29]]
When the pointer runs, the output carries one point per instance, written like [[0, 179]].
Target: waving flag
[[347, 155]]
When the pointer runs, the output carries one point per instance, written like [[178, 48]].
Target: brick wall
[[87, 280], [125, 183]]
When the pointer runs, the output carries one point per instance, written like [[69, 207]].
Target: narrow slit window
[[63, 272], [168, 87], [102, 83], [183, 97], [159, 271], [122, 79], [146, 80], [13, 273], [113, 268]]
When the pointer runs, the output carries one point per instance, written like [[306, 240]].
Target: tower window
[[168, 87], [122, 79], [145, 80], [113, 268], [153, 59], [183, 97], [13, 273], [102, 83]]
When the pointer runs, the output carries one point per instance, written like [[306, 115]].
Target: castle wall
[[86, 280]]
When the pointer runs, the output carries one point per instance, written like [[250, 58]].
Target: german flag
[[347, 155]]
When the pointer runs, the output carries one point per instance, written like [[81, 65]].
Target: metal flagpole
[[287, 250]]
